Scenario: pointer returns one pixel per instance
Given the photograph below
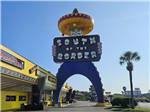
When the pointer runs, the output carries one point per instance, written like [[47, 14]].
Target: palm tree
[[128, 58]]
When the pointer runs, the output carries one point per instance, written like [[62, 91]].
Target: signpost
[[77, 48]]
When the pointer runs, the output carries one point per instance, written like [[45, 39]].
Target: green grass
[[137, 109]]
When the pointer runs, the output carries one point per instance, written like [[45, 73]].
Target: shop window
[[22, 98], [10, 98]]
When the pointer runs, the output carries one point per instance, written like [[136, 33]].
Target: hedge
[[122, 101]]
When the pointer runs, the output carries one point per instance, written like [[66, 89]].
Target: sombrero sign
[[77, 48]]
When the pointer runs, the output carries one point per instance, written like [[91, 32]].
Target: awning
[[9, 83]]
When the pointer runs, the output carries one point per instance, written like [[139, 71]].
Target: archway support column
[[86, 69]]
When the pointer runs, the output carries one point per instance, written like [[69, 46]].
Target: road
[[79, 106], [144, 105], [84, 106]]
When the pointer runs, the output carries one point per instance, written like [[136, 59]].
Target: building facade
[[136, 92], [22, 81]]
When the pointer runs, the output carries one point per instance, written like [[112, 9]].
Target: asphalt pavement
[[143, 105], [85, 106], [79, 106]]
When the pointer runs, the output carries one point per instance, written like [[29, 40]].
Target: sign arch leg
[[86, 69]]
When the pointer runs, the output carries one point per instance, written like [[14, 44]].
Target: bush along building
[[24, 82]]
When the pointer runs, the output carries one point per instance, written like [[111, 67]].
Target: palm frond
[[134, 55], [121, 62], [128, 55], [137, 58], [122, 58]]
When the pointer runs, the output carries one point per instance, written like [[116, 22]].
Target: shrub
[[116, 102], [122, 101]]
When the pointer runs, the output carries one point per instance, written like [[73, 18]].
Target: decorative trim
[[15, 74]]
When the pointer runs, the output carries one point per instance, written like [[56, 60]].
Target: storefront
[[47, 83], [19, 80]]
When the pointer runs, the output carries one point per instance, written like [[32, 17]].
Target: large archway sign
[[77, 50], [86, 69]]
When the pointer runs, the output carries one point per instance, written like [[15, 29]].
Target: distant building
[[146, 95], [136, 92]]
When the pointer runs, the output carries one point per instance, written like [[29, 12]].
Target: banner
[[10, 59]]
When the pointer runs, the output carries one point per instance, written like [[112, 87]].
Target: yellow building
[[22, 81]]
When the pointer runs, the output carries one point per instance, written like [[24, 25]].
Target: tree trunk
[[131, 86]]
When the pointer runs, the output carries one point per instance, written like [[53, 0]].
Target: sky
[[29, 28]]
